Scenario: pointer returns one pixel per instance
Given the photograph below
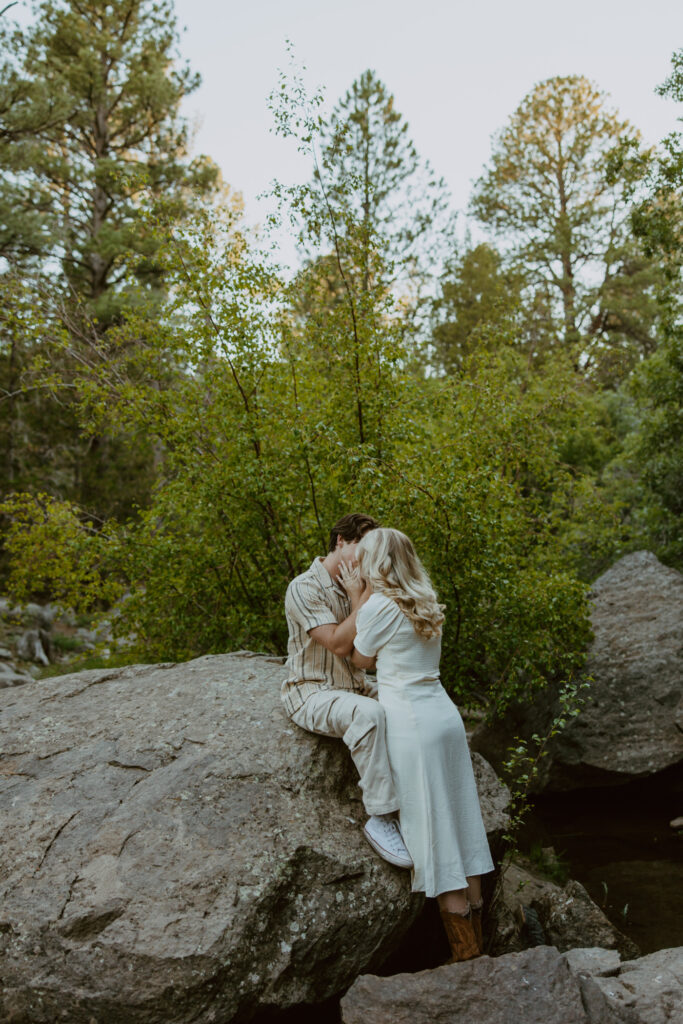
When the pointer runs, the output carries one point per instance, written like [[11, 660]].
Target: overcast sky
[[457, 70]]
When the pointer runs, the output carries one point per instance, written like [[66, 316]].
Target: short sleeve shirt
[[377, 621], [314, 599], [404, 658]]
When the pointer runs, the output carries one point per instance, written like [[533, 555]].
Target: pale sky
[[457, 70]]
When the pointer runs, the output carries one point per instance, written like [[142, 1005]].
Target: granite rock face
[[173, 849], [632, 725], [536, 986]]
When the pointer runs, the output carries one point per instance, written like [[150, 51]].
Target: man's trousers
[[359, 721]]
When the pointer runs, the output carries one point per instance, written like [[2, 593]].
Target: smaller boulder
[[571, 919], [536, 986], [34, 645], [644, 991], [10, 677], [42, 614], [567, 915], [632, 724]]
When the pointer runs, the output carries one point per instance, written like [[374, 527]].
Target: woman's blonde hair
[[388, 562]]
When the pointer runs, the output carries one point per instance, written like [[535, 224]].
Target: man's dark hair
[[351, 527]]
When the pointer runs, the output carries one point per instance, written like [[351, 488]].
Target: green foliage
[[54, 549], [276, 424], [658, 389], [43, 445], [658, 386], [522, 769], [525, 758], [478, 295], [63, 642], [650, 468]]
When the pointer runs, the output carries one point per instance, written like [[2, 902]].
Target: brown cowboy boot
[[476, 910], [461, 936]]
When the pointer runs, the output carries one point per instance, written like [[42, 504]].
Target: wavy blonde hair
[[388, 562]]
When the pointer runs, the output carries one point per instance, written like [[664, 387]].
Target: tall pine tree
[[559, 217], [91, 142], [380, 195], [115, 141]]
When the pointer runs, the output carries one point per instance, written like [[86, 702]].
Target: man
[[324, 693]]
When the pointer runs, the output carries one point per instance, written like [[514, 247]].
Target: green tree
[[115, 142], [85, 171], [655, 449], [548, 198], [261, 450], [380, 194], [477, 294]]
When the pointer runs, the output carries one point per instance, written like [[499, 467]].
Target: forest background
[[182, 418]]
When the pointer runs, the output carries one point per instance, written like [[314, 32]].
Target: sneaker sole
[[386, 854]]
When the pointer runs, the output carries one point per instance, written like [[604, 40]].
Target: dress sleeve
[[376, 622], [304, 604]]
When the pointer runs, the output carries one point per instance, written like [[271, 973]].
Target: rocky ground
[[38, 638], [175, 850]]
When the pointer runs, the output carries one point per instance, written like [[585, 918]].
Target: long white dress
[[430, 761]]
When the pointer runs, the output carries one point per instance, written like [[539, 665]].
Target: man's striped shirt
[[314, 599]]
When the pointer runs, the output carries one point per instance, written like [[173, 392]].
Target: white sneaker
[[384, 836]]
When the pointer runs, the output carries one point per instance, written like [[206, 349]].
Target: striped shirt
[[314, 599]]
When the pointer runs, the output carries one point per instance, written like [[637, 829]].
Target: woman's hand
[[349, 577]]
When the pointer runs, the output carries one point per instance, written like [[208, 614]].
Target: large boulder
[[173, 849], [632, 724], [536, 986]]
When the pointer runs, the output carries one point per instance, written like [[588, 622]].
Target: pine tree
[[477, 294], [548, 198], [380, 194], [91, 164], [92, 143]]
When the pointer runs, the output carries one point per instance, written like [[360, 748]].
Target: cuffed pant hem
[[391, 808]]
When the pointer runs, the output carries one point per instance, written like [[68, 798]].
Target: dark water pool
[[618, 843]]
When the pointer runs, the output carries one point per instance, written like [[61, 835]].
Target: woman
[[399, 630]]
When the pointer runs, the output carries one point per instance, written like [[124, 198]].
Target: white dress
[[430, 761]]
